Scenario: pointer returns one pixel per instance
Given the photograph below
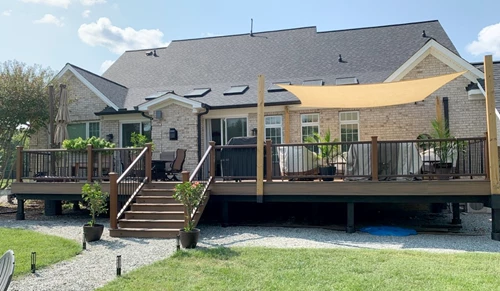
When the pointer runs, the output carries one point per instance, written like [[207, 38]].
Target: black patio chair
[[176, 166]]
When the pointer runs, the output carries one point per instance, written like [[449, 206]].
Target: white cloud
[[488, 41], [105, 65], [7, 12], [50, 19], [92, 2], [116, 39], [58, 3], [86, 13]]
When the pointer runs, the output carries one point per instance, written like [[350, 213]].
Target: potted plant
[[96, 201], [327, 152], [190, 195], [444, 152]]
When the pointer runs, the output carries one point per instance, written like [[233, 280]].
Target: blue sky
[[93, 33]]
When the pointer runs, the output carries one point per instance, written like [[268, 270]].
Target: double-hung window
[[84, 130], [274, 129], [349, 127], [310, 125]]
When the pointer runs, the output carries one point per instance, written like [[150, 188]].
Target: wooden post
[[260, 140], [269, 161], [486, 157], [113, 200], [439, 112], [90, 166], [19, 164], [374, 159], [286, 124], [492, 126], [149, 162], [212, 159], [185, 178]]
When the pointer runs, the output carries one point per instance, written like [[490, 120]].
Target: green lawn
[[314, 269], [49, 249]]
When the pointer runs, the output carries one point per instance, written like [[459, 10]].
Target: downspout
[[198, 125], [446, 113]]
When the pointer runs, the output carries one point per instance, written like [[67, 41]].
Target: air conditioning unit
[[477, 208]]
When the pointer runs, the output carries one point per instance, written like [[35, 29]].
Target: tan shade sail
[[369, 95]]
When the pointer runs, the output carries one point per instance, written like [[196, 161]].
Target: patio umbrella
[[62, 118]]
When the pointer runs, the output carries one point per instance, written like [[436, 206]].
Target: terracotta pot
[[189, 239], [93, 233]]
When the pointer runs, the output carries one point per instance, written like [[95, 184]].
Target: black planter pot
[[327, 171], [189, 239], [444, 169], [93, 233]]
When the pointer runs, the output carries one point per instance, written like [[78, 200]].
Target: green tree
[[23, 109]]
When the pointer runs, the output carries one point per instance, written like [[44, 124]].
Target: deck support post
[[350, 218], [495, 217], [374, 159], [113, 200], [149, 157], [269, 161], [20, 209], [225, 213], [455, 207], [52, 207]]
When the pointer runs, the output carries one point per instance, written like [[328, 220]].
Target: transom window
[[84, 130], [349, 127], [310, 125]]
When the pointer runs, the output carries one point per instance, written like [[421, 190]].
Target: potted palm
[[446, 150], [190, 195], [96, 201], [327, 152]]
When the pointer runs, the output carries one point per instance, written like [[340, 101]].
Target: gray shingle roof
[[115, 92], [496, 79], [369, 54]]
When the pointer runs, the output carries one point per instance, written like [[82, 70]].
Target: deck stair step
[[155, 199], [161, 215], [157, 192], [145, 232], [152, 223], [157, 207]]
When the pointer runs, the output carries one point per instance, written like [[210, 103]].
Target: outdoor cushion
[[7, 263]]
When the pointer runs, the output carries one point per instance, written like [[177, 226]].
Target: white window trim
[[87, 127], [302, 124], [348, 122], [280, 126]]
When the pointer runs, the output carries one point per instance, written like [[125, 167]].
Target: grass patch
[[49, 249], [314, 269]]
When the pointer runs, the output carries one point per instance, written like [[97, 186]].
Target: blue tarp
[[389, 231]]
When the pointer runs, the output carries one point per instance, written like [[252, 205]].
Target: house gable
[[170, 98], [89, 85], [443, 54]]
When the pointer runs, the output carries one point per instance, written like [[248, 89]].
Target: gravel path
[[95, 266]]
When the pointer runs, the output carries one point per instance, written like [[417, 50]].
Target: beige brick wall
[[184, 120]]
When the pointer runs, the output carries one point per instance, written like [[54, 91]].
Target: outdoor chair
[[176, 166], [7, 263]]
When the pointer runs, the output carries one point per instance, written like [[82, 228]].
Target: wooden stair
[[154, 214]]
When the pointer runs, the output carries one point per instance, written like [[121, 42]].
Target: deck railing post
[[113, 200], [374, 159], [90, 162], [486, 156], [212, 159], [19, 164], [185, 178], [149, 158], [269, 161]]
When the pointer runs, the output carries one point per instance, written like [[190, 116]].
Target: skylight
[[236, 90], [346, 81], [200, 92], [313, 82], [275, 88], [157, 94]]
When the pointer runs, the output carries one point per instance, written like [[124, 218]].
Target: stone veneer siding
[[185, 121]]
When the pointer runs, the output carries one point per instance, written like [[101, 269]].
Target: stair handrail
[[115, 182], [198, 209]]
